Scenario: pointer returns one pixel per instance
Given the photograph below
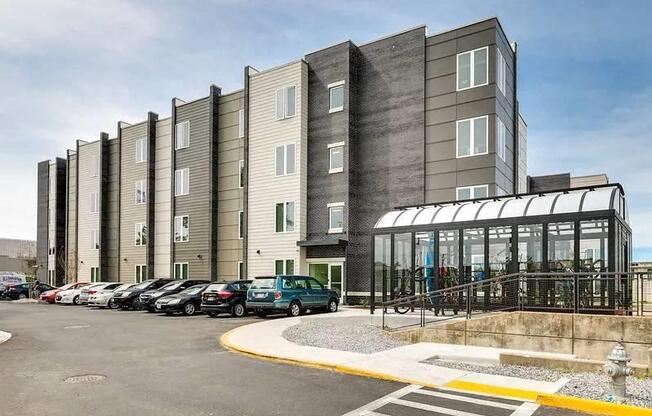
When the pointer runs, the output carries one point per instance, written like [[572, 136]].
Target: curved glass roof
[[571, 201]]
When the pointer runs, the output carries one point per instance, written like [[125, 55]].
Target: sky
[[71, 69]]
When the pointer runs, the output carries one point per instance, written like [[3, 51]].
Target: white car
[[93, 288], [70, 296], [102, 297]]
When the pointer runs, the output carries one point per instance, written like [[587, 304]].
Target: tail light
[[224, 294], [277, 295], [92, 292]]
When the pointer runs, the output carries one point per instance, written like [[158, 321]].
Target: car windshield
[[143, 285], [171, 286], [123, 287], [193, 290], [264, 283], [66, 287]]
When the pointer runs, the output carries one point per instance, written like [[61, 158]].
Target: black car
[[21, 290], [226, 297], [187, 301], [130, 298], [149, 297]]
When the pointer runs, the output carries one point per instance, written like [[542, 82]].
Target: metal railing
[[614, 293]]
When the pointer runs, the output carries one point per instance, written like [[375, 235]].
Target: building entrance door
[[329, 274]]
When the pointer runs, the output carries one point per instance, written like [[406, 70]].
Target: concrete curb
[[543, 399], [4, 336]]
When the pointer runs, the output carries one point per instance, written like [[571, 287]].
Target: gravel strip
[[585, 385], [342, 334]]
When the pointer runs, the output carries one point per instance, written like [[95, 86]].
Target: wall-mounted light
[[257, 251], [125, 259], [199, 256]]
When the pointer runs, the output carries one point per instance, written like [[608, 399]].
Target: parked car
[[93, 288], [50, 296], [130, 298], [187, 301], [290, 294], [149, 297], [71, 296], [102, 297], [226, 297], [21, 290]]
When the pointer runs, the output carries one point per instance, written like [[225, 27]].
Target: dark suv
[[226, 297], [130, 298], [149, 297], [289, 294]]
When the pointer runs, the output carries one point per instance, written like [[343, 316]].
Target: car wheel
[[22, 296], [238, 310], [332, 305], [75, 300], [189, 309], [137, 305], [150, 309], [168, 313], [261, 314], [294, 309], [113, 305]]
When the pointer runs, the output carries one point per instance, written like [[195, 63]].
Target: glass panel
[[278, 266], [336, 218], [425, 215], [541, 205], [480, 67], [280, 109], [319, 272], [280, 160], [185, 227], [279, 218], [402, 284], [336, 158], [337, 97], [500, 250], [467, 212], [480, 135], [424, 260], [593, 245], [388, 219], [464, 70], [530, 252], [289, 216], [382, 263], [515, 207], [289, 159], [464, 138], [474, 254], [561, 247], [463, 193], [597, 200], [407, 217], [291, 104], [568, 202], [448, 270], [336, 278], [446, 214], [490, 210], [480, 192], [289, 266]]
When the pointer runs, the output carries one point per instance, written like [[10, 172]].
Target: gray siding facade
[[71, 215], [42, 241]]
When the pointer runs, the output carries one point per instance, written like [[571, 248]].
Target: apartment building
[[289, 174]]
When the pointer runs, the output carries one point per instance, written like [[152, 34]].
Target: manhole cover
[[85, 378]]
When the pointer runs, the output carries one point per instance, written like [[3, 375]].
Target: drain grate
[[85, 378]]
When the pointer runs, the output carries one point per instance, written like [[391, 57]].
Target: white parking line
[[370, 407], [467, 399], [431, 408]]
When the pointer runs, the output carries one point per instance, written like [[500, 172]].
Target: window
[[241, 224], [300, 283], [336, 97], [284, 266], [241, 179], [285, 102], [141, 191], [95, 166], [240, 270], [336, 217], [501, 133], [181, 229], [501, 72], [140, 231], [94, 203], [241, 124], [284, 217], [182, 135], [141, 150], [95, 274], [95, 239], [336, 157], [472, 192], [285, 159], [141, 273], [472, 68], [181, 182], [180, 270], [472, 136]]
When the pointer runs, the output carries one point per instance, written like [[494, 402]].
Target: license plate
[[260, 295], [211, 298]]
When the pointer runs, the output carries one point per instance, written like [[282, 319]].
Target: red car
[[51, 295]]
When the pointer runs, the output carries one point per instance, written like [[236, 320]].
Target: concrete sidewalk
[[264, 339]]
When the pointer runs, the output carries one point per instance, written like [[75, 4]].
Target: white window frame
[[332, 146], [95, 167], [472, 133], [285, 219], [184, 173], [141, 150], [241, 179], [181, 264], [501, 72], [95, 203], [472, 189], [140, 227], [331, 87], [501, 139], [95, 274], [241, 126], [472, 63], [240, 223], [140, 185], [184, 126], [285, 266], [178, 220], [285, 114], [285, 159], [140, 273], [95, 239], [330, 213]]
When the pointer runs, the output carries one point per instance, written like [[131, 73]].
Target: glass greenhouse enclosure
[[431, 247]]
